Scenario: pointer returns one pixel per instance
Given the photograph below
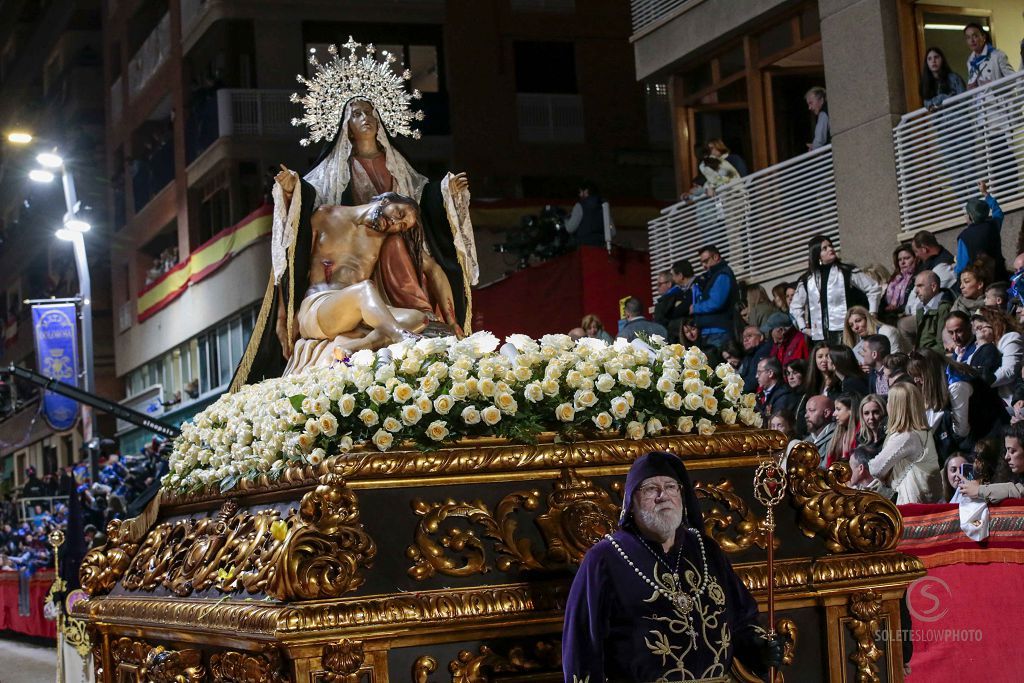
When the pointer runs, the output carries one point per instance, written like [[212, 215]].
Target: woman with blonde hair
[[908, 462], [872, 422], [594, 328], [860, 323], [758, 306]]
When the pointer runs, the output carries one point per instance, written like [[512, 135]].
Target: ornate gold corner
[[542, 657], [315, 553], [865, 609], [579, 515], [248, 667], [341, 661], [729, 520], [173, 666], [850, 520]]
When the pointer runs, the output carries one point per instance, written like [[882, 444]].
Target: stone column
[[861, 45]]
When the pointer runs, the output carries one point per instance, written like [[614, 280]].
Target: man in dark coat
[[658, 600], [773, 394], [980, 240]]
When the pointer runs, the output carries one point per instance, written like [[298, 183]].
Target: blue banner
[[57, 350]]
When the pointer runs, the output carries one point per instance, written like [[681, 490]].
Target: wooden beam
[[682, 147], [756, 105]]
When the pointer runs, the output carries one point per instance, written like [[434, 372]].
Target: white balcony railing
[[150, 56], [761, 223], [649, 12], [941, 155], [550, 118], [254, 112]]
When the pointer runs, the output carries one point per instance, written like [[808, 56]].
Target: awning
[[23, 428]]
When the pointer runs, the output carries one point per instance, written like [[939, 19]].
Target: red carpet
[[968, 612]]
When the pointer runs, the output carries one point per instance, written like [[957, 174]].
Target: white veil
[[332, 175]]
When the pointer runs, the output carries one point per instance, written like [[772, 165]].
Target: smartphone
[[967, 471]]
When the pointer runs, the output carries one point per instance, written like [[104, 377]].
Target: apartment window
[[545, 67]]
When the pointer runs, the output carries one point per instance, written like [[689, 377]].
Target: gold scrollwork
[[543, 657], [313, 553], [727, 510], [578, 514], [422, 668], [342, 660], [787, 628], [173, 666], [77, 634], [865, 610], [248, 667], [849, 520], [102, 567]]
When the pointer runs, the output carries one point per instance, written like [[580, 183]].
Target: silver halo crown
[[341, 79]]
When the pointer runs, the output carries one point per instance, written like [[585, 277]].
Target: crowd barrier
[[34, 624]]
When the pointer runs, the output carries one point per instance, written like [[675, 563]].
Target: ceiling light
[[40, 176], [50, 160]]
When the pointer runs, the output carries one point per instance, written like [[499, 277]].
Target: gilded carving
[[849, 520], [543, 657], [579, 514], [316, 552], [729, 510], [865, 610], [787, 628], [422, 668], [342, 660], [76, 634], [173, 666], [102, 567], [248, 667], [128, 651]]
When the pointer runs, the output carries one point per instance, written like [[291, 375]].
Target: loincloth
[[307, 317]]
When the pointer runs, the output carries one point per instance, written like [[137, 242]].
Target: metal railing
[[150, 56], [550, 118], [646, 13], [941, 155], [47, 504], [254, 112], [761, 223]]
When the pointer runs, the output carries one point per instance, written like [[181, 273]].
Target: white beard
[[662, 524]]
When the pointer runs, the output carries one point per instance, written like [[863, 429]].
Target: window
[[545, 67]]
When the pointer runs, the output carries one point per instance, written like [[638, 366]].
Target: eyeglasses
[[652, 491]]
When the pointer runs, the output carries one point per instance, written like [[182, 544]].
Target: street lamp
[[73, 230]]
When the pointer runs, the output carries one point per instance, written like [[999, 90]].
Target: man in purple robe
[[658, 600]]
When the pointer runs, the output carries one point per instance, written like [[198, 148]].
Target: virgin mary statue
[[355, 105]]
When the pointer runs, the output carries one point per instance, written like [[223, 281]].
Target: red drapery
[[554, 296], [35, 624], [968, 612]]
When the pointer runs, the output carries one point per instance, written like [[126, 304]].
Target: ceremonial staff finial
[[769, 490]]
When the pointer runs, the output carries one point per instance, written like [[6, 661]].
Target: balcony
[[550, 118], [154, 51], [648, 13], [941, 155], [761, 222], [229, 111]]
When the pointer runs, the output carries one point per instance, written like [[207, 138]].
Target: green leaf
[[228, 483], [296, 401]]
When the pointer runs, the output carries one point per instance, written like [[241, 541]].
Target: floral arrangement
[[426, 393]]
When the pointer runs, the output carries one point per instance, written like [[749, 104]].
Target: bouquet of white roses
[[427, 393]]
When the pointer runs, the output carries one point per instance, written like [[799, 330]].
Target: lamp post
[[75, 227]]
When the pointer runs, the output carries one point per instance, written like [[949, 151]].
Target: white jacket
[[806, 305], [909, 463]]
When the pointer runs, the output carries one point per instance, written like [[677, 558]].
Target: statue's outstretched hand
[[460, 181], [287, 179]]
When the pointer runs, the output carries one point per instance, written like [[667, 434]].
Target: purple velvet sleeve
[[586, 621]]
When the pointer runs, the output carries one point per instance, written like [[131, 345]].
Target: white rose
[[486, 387], [383, 439], [728, 416], [565, 412], [692, 386], [377, 393], [733, 390], [550, 387], [693, 401], [705, 427], [673, 401], [345, 444], [346, 404], [523, 343], [328, 424], [635, 430], [685, 424], [522, 373], [316, 457], [619, 407], [304, 442], [654, 426], [643, 378], [573, 378], [749, 400], [437, 430], [506, 403], [605, 383], [458, 374], [533, 393], [424, 403], [312, 427], [627, 377], [723, 370], [411, 414], [443, 404], [470, 415], [368, 417], [711, 404], [459, 391], [628, 395], [490, 415], [429, 384], [602, 420], [402, 393], [584, 398], [391, 424]]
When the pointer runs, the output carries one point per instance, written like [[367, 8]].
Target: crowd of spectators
[[902, 376], [44, 504]]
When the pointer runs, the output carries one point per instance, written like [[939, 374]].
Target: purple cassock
[[637, 614]]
